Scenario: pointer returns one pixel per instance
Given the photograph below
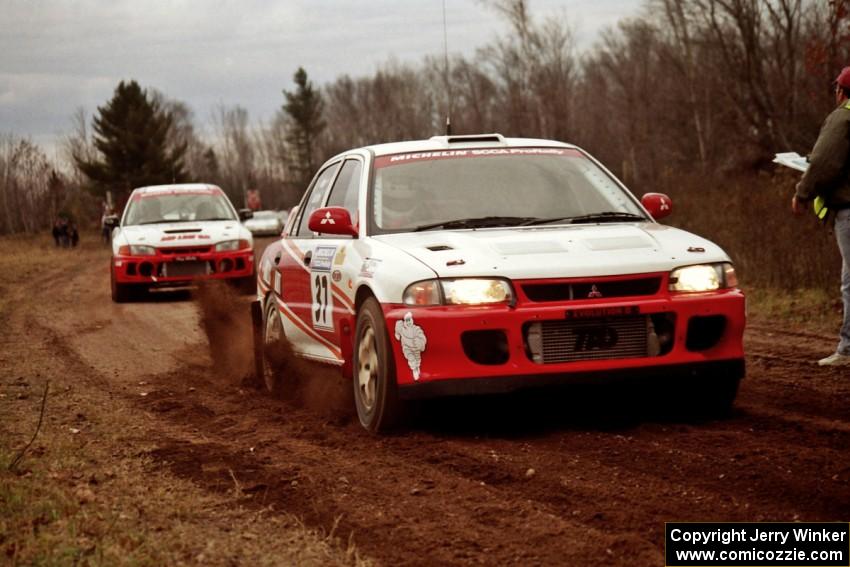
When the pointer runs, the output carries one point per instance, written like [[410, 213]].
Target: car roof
[[182, 187], [442, 143]]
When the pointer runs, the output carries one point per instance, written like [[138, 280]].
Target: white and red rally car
[[171, 235], [474, 264]]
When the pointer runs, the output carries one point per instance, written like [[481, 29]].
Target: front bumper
[[169, 269], [447, 359]]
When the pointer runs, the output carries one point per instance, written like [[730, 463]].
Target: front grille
[[566, 291], [551, 342]]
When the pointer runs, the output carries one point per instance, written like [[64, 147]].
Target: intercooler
[[571, 340]]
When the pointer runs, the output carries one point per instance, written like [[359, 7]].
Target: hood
[[182, 234], [549, 252]]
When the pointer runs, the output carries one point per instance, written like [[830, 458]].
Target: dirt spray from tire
[[226, 321]]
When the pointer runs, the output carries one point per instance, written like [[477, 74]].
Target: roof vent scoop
[[471, 139], [478, 138]]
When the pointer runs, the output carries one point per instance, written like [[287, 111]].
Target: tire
[[375, 390], [715, 396], [123, 293], [274, 355], [712, 393]]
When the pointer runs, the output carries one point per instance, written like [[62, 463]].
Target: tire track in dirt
[[455, 487]]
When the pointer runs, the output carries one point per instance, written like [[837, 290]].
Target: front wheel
[[122, 293], [375, 388], [714, 396]]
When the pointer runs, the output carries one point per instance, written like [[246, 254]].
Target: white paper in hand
[[792, 160]]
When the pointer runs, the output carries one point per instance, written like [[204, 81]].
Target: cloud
[[56, 56]]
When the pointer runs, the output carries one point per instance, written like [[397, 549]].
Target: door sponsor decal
[[322, 259], [367, 269], [413, 341]]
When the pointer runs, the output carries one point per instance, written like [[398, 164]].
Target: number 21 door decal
[[320, 288]]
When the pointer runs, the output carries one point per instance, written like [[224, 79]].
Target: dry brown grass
[[750, 217]]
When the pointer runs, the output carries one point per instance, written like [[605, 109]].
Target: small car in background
[[483, 264], [173, 235], [264, 223]]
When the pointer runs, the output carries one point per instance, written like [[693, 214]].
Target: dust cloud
[[226, 321]]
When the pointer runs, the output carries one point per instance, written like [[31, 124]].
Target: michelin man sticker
[[413, 340]]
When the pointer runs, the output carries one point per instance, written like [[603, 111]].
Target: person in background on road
[[57, 232], [107, 223], [60, 232], [73, 234], [828, 177]]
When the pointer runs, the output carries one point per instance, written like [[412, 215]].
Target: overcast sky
[[59, 55]]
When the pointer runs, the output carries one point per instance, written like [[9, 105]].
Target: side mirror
[[245, 214], [332, 220], [658, 205]]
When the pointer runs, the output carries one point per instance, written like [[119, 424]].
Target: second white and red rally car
[[172, 235], [473, 264]]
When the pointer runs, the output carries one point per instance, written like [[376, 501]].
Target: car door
[[332, 281], [308, 332]]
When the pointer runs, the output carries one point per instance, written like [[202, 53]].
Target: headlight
[[703, 277], [464, 291], [231, 245], [137, 250], [422, 293], [469, 291]]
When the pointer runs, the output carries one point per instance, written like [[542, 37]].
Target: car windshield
[[494, 187], [152, 208]]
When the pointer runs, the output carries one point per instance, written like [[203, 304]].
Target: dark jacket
[[828, 175]]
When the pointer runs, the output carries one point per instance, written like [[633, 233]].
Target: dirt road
[[579, 477]]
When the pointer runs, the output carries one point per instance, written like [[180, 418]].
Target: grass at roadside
[[811, 310]]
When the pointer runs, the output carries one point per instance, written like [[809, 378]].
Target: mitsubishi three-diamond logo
[[328, 219]]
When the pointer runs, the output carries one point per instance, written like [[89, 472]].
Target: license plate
[[601, 312]]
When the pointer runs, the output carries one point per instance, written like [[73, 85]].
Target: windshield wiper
[[476, 222], [595, 217]]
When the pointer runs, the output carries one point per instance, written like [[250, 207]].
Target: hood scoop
[[182, 230], [439, 248], [523, 248], [618, 243]]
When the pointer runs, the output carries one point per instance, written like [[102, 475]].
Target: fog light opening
[[704, 332], [488, 347], [146, 269], [226, 265]]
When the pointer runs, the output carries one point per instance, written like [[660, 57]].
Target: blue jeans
[[842, 234]]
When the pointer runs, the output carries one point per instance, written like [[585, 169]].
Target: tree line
[[687, 90]]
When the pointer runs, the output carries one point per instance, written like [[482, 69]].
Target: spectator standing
[[828, 177]]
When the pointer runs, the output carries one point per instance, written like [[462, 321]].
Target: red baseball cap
[[843, 79]]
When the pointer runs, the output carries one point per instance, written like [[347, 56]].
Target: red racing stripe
[[298, 322]]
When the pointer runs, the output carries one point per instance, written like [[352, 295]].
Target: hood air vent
[[182, 230]]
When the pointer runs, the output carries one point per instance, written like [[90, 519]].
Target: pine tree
[[132, 138], [304, 108]]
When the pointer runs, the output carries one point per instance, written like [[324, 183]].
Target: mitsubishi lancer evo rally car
[[482, 264], [172, 235]]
